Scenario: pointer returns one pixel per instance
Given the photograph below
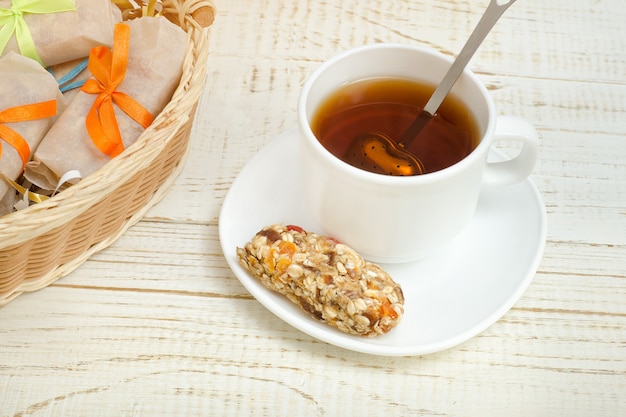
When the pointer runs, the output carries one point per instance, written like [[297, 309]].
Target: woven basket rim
[[23, 225]]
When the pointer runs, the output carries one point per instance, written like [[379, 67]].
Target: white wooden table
[[158, 324]]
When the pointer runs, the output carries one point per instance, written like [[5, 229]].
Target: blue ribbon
[[64, 82]]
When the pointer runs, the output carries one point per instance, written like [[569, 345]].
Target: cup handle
[[518, 168]]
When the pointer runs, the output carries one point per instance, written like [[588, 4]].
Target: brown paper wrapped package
[[157, 48], [23, 81], [65, 36]]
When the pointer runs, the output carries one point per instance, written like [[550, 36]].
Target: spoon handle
[[487, 21]]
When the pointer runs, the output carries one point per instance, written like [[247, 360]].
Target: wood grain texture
[[157, 324]]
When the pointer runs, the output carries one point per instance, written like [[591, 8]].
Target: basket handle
[[196, 13]]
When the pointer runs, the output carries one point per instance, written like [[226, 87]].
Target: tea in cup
[[367, 202]]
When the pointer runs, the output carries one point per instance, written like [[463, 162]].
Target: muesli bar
[[327, 279]]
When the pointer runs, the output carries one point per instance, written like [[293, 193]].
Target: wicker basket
[[46, 241]]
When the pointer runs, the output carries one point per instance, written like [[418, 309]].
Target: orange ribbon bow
[[109, 70], [23, 113]]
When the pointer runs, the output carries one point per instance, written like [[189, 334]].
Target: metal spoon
[[390, 157]]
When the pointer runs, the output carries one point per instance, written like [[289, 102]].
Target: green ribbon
[[12, 21]]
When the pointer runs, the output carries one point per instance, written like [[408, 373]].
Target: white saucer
[[449, 297]]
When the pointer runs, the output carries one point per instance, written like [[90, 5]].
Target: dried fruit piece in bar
[[327, 279]]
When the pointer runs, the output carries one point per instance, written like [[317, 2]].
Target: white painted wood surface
[[158, 325]]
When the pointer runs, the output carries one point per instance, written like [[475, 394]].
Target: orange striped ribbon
[[23, 113], [109, 70]]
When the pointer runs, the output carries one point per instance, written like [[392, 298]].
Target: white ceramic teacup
[[399, 219]]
